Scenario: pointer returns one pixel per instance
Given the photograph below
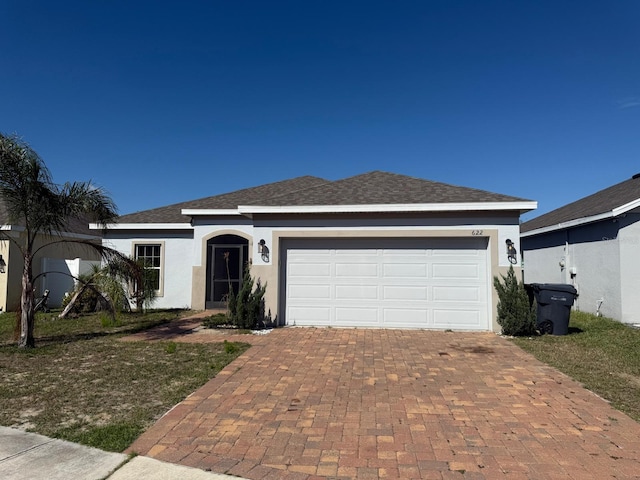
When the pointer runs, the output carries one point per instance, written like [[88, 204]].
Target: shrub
[[246, 309], [216, 320], [516, 315]]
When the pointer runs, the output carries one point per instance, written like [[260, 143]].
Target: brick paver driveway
[[349, 403]]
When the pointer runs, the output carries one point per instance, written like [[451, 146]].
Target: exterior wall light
[[263, 250], [512, 253]]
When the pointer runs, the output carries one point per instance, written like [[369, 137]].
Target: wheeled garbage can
[[554, 306]]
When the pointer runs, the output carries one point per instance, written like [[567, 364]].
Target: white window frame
[[160, 291]]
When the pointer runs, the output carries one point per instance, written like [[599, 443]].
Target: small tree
[[110, 287], [246, 310], [516, 315], [44, 209]]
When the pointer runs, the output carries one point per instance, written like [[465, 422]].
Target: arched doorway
[[227, 256]]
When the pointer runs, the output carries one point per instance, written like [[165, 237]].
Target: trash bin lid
[[555, 287]]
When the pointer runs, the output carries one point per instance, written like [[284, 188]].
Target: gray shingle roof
[[246, 196], [382, 188], [373, 188], [600, 202]]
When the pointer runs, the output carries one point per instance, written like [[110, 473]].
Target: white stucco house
[[593, 244], [373, 250]]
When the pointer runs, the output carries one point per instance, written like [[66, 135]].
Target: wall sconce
[[263, 250], [3, 264], [512, 253]]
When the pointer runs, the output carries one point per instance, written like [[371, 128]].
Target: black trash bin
[[554, 306]]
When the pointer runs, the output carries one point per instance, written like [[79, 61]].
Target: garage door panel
[[448, 318], [310, 270], [404, 252], [356, 292], [455, 253], [400, 317], [405, 270], [405, 283], [356, 316], [312, 290], [406, 292], [309, 315], [456, 293], [355, 252], [458, 271], [356, 270]]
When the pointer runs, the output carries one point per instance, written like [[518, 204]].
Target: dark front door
[[225, 263]]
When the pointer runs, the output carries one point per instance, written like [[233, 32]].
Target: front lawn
[[602, 354], [81, 383]]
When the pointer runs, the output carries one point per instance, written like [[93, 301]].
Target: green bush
[[216, 320], [516, 315], [246, 309]]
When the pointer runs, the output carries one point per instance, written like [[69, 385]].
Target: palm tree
[[109, 283], [44, 208]]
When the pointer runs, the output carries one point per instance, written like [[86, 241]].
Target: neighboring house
[[594, 244], [53, 265], [374, 250]]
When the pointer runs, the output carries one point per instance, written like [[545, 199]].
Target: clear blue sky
[[161, 102]]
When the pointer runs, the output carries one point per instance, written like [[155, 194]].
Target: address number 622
[[476, 233]]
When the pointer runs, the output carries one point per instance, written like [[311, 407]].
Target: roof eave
[[193, 212], [522, 207], [616, 212], [570, 224], [142, 226]]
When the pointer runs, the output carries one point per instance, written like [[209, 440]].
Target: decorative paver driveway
[[308, 403]]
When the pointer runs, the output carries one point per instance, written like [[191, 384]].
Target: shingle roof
[[373, 188], [246, 196], [600, 202], [382, 188]]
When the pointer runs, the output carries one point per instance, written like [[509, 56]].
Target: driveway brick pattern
[[306, 403]]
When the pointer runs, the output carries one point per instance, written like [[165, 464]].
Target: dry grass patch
[[82, 384]]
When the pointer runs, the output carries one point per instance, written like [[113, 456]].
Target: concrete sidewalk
[[28, 456]]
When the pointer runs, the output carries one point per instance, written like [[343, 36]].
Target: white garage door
[[399, 282]]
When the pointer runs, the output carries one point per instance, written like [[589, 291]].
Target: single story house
[[373, 250], [54, 267], [593, 244]]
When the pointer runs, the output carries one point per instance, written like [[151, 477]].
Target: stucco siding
[[597, 277], [629, 241], [543, 265], [177, 260]]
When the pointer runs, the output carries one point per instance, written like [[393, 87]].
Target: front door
[[224, 270]]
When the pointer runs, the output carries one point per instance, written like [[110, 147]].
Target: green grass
[[81, 383], [602, 354]]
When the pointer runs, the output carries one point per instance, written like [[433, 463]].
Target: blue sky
[[161, 102]]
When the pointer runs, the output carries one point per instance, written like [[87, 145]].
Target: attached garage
[[387, 282]]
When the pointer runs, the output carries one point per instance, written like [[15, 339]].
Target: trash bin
[[554, 306]]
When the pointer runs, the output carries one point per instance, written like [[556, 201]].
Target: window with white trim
[[151, 255]]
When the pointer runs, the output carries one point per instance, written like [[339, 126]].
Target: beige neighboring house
[[54, 265], [373, 250]]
